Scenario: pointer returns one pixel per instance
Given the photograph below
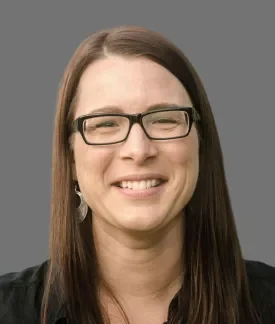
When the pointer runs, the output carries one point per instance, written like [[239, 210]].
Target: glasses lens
[[105, 129], [166, 124]]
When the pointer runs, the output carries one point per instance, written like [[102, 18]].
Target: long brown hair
[[216, 290]]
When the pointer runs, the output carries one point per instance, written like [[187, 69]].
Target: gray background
[[230, 44]]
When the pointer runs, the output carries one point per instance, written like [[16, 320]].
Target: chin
[[140, 221]]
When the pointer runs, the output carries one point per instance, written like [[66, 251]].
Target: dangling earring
[[82, 209]]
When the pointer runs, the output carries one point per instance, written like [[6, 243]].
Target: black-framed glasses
[[112, 128]]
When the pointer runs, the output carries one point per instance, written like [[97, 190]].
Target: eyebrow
[[119, 110]]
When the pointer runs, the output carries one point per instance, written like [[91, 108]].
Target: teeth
[[140, 185]]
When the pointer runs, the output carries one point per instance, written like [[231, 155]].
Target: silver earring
[[82, 209]]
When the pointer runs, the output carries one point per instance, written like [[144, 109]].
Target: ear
[[73, 167], [72, 158], [74, 172]]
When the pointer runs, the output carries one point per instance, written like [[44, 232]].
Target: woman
[[142, 229]]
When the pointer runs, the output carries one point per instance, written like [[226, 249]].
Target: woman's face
[[134, 85]]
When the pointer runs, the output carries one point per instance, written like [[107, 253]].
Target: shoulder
[[261, 278], [21, 293], [262, 275], [259, 269]]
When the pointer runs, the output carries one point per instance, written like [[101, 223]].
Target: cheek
[[91, 164], [183, 158], [184, 151]]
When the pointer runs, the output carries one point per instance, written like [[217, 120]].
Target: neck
[[147, 267]]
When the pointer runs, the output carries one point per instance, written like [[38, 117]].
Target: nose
[[138, 147]]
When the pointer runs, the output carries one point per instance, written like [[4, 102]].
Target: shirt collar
[[57, 311]]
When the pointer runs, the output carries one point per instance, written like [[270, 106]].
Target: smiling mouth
[[140, 185]]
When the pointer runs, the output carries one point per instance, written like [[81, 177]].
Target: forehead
[[129, 83]]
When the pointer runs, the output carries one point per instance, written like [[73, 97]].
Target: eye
[[97, 123], [165, 121], [106, 124]]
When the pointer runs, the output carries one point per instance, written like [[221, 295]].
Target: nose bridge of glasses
[[135, 119]]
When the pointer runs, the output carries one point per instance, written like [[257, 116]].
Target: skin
[[139, 240]]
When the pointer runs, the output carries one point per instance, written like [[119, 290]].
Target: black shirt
[[21, 293]]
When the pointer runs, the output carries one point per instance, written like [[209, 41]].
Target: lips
[[140, 185], [140, 181], [141, 190]]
